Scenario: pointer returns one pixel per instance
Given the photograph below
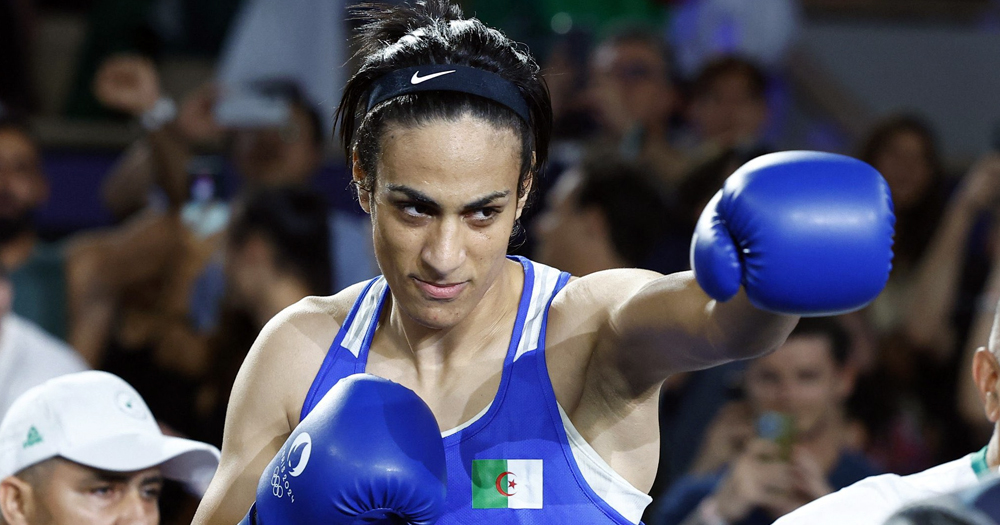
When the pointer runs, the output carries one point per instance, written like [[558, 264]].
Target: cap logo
[[417, 79], [34, 438], [298, 456], [130, 405]]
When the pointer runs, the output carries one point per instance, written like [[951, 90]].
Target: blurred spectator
[[784, 445], [763, 30], [28, 355], [728, 107], [37, 269], [84, 449], [566, 74], [148, 27], [908, 402], [872, 500], [272, 146], [904, 150], [304, 42], [606, 213], [276, 254], [701, 182], [633, 98]]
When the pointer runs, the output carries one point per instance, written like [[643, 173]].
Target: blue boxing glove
[[804, 233], [370, 452]]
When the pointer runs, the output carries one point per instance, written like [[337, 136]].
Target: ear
[[16, 501], [358, 176], [986, 374]]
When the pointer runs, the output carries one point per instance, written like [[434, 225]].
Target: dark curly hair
[[435, 32]]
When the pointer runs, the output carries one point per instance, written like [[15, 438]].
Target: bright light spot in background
[[562, 22]]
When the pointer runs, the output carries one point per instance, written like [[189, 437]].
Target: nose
[[444, 251]]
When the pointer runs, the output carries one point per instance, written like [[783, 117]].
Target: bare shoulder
[[267, 398], [315, 318], [579, 315], [594, 297], [292, 345]]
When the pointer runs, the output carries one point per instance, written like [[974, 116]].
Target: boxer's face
[[443, 207], [802, 379], [72, 494]]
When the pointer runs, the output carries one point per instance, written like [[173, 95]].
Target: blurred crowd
[[220, 219]]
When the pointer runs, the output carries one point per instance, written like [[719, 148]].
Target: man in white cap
[[84, 449]]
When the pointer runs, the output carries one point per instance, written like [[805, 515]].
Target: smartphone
[[779, 428], [204, 178]]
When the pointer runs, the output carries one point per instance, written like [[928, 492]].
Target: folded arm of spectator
[[101, 265]]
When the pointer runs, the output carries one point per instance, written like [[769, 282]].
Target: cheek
[[68, 506], [763, 396]]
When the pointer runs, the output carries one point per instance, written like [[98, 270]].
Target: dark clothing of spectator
[[40, 288], [685, 496]]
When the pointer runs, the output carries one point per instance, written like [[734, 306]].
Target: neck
[[279, 294], [16, 251], [438, 348], [993, 450]]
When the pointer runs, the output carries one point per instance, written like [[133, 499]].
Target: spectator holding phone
[[783, 446]]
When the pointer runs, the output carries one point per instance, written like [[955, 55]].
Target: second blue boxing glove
[[370, 452]]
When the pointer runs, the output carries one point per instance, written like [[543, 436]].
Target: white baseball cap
[[98, 420]]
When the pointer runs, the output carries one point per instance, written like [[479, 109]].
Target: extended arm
[[670, 325], [790, 234]]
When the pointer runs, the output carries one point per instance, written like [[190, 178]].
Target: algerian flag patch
[[506, 483]]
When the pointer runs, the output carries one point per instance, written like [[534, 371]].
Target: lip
[[440, 291]]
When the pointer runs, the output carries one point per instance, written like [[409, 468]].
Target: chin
[[438, 318]]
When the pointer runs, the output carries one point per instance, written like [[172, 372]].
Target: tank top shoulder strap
[[349, 350], [547, 283]]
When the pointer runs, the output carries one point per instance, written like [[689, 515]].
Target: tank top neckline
[[481, 420]]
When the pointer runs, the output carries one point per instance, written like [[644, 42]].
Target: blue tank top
[[520, 461]]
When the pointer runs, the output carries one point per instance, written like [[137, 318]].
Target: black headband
[[449, 77]]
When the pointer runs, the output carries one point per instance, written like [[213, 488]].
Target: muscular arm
[[661, 325], [266, 401]]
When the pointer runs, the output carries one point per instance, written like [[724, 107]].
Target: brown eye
[[485, 214]]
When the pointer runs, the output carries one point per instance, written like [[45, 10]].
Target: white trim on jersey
[[366, 315], [465, 425], [615, 490], [546, 279]]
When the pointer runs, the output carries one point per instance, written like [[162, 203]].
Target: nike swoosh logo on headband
[[416, 79]]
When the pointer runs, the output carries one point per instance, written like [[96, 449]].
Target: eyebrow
[[123, 477], [425, 200]]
